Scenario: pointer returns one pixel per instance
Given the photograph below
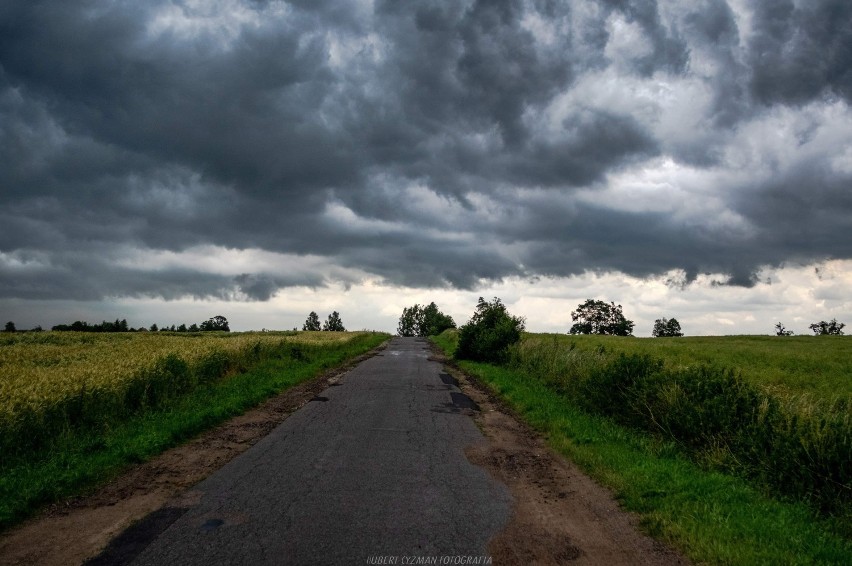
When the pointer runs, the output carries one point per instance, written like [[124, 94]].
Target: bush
[[489, 333], [728, 423], [423, 321]]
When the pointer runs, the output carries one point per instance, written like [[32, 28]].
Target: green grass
[[819, 367], [712, 517], [84, 458]]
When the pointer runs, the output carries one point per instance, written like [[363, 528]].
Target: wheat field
[[50, 381]]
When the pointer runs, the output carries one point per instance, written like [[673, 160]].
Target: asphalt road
[[371, 471]]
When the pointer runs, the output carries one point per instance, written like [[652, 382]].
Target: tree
[[193, 328], [218, 322], [312, 322], [488, 334], [832, 328], [410, 320], [153, 327], [423, 321], [434, 321], [333, 323], [599, 317], [781, 331], [10, 327], [664, 327]]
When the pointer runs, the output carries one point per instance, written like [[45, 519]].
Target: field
[[53, 381], [724, 446], [818, 369], [76, 408]]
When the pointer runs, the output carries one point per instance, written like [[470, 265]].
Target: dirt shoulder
[[78, 529], [560, 515]]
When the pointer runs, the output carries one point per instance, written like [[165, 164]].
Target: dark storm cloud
[[669, 50], [300, 127], [715, 29], [591, 144], [800, 53], [85, 277]]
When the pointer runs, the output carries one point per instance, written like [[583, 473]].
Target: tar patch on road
[[211, 525], [462, 401], [447, 379], [460, 404]]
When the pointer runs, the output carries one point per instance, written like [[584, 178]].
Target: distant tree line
[[10, 327], [216, 323], [332, 324], [82, 326], [599, 317], [590, 317]]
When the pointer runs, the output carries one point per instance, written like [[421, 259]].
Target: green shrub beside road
[[489, 334]]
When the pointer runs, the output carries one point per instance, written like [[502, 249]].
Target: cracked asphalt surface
[[372, 467]]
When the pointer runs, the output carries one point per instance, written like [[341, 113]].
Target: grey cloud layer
[[153, 126]]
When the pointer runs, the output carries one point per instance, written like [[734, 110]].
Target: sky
[[168, 161]]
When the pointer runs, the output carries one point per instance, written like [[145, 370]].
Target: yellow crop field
[[52, 380]]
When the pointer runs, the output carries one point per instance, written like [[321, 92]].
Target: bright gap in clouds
[[794, 295]]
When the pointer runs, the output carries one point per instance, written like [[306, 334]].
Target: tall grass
[[816, 369], [796, 446]]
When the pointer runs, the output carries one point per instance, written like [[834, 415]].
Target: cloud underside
[[229, 150]]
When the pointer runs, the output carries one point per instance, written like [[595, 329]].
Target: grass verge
[[80, 459], [712, 517]]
